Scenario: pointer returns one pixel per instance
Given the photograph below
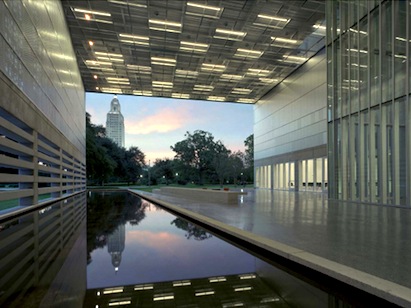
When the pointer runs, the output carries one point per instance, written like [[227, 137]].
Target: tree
[[236, 163], [134, 163], [196, 151], [106, 160], [221, 162], [249, 157], [100, 166], [163, 168]]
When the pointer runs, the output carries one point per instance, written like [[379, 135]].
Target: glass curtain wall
[[368, 99]]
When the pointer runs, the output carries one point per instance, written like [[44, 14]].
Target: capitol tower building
[[115, 123]]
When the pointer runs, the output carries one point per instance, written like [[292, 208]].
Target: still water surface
[[105, 249]]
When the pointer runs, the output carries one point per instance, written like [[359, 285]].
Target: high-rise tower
[[115, 123]]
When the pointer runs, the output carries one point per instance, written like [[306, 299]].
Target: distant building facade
[[115, 123]]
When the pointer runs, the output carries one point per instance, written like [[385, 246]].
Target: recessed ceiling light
[[284, 40], [213, 67], [271, 21], [208, 11], [191, 46], [216, 98], [231, 77], [273, 17], [129, 3], [248, 53], [91, 12], [180, 95], [229, 34], [241, 91], [200, 87], [257, 72], [163, 25], [294, 59]]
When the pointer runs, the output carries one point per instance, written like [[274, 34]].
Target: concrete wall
[[292, 118], [42, 106], [37, 56]]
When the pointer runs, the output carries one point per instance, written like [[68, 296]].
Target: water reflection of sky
[[156, 250]]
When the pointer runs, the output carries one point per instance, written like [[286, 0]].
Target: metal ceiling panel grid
[[229, 51]]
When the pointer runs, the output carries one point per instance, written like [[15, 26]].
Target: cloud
[[163, 121]]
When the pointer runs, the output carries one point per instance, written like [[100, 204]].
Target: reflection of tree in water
[[199, 234], [106, 212]]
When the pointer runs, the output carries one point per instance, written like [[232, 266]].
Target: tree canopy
[[199, 158], [106, 161]]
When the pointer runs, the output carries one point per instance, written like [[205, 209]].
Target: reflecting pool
[[104, 249]]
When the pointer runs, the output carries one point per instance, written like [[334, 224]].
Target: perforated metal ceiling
[[228, 50]]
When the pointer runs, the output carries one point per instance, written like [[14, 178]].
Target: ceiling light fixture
[[134, 39], [200, 87], [284, 40], [190, 46], [248, 53], [245, 100], [202, 6], [129, 3], [213, 67], [198, 9], [241, 91], [143, 92], [163, 61], [180, 95], [216, 98], [91, 12], [231, 77], [257, 72], [186, 73], [162, 25], [229, 34], [271, 21]]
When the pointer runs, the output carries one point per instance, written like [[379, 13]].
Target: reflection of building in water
[[115, 245], [223, 291]]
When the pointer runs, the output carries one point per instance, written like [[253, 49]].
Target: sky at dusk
[[153, 124]]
